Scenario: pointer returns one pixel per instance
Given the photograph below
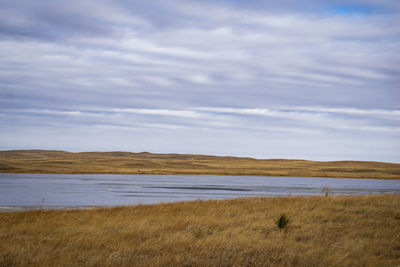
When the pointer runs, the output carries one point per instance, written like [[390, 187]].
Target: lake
[[82, 190]]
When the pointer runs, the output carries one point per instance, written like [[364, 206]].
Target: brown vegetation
[[43, 161], [323, 231]]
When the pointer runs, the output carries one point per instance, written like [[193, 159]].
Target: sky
[[317, 80]]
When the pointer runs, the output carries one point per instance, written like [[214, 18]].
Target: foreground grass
[[45, 161], [323, 231]]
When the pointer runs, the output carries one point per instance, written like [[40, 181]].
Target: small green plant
[[198, 232], [282, 221]]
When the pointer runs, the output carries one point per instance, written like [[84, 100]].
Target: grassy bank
[[42, 161], [324, 231]]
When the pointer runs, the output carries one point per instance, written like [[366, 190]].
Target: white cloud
[[301, 120], [199, 78], [163, 112], [392, 114]]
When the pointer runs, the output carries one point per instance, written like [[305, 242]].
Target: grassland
[[324, 231], [44, 161]]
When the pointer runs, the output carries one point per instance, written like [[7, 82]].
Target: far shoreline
[[63, 162]]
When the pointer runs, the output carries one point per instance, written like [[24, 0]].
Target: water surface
[[66, 190]]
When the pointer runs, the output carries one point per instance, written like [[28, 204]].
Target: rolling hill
[[51, 161]]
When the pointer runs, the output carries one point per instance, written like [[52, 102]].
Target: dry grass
[[324, 231], [42, 161]]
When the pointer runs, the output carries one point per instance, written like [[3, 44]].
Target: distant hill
[[51, 161]]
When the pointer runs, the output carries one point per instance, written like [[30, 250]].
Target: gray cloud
[[324, 71]]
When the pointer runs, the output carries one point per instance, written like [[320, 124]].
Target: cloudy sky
[[268, 79]]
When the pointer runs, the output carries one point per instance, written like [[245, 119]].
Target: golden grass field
[[324, 231], [45, 161]]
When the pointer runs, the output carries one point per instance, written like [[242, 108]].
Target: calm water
[[61, 190]]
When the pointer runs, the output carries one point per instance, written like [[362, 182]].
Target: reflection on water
[[113, 189]]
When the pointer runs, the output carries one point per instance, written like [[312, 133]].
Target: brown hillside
[[49, 161]]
